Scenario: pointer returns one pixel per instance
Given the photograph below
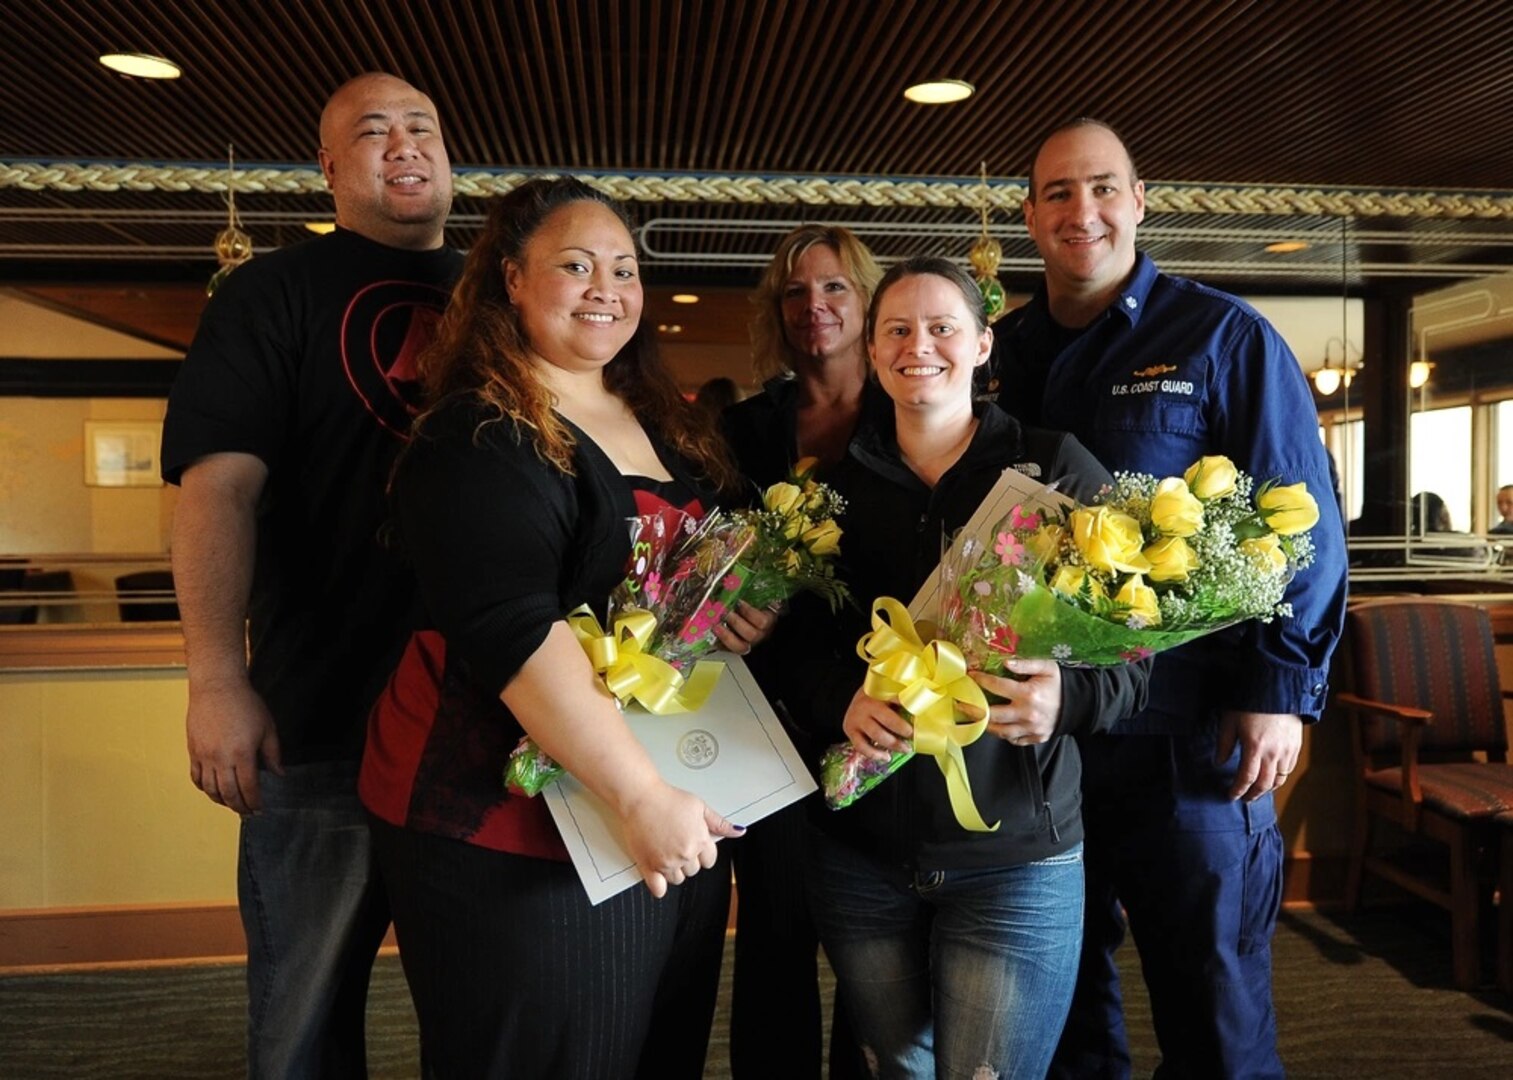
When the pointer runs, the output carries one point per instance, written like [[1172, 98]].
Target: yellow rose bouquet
[[1157, 563], [683, 577]]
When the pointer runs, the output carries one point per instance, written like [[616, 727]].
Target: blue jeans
[[315, 913], [946, 972]]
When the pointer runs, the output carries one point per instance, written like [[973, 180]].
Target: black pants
[[515, 975], [775, 1015]]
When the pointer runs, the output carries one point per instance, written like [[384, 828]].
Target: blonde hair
[[770, 352]]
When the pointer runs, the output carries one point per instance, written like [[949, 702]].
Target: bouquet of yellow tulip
[[683, 577], [1157, 563]]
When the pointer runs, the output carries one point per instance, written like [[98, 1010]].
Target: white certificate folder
[[732, 753]]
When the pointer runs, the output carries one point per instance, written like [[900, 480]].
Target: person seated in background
[[1429, 519], [1427, 513], [717, 395], [1504, 511]]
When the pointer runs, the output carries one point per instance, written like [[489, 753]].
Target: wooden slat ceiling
[[1371, 95]]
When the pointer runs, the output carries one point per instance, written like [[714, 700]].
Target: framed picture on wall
[[122, 453]]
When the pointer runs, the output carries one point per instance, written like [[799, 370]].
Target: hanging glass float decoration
[[985, 256], [232, 244]]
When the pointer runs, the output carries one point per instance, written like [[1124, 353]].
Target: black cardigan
[[895, 529], [504, 543], [763, 429]]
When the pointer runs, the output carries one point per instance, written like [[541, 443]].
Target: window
[[1440, 459], [1345, 439]]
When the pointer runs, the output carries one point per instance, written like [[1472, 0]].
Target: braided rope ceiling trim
[[809, 190]]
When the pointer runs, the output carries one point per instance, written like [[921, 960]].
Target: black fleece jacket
[[895, 529]]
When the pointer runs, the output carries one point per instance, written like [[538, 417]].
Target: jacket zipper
[[1050, 823]]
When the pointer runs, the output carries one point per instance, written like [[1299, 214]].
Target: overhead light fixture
[[1419, 372], [670, 328], [142, 65], [1286, 247], [940, 91], [321, 227], [685, 298]]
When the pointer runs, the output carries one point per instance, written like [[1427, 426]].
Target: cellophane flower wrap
[[762, 556], [688, 574], [1156, 563], [909, 665]]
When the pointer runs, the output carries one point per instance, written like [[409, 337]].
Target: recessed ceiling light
[[141, 65], [939, 91], [685, 298], [670, 328], [1286, 247], [322, 227]]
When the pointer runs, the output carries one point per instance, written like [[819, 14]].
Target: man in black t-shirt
[[295, 396]]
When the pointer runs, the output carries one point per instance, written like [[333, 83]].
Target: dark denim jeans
[[315, 913], [947, 972], [1198, 879]]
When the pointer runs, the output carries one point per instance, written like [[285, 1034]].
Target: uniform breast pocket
[[1170, 430]]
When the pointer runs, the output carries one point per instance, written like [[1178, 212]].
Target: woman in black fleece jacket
[[954, 949]]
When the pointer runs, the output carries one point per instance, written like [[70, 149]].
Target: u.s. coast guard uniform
[[1172, 371]]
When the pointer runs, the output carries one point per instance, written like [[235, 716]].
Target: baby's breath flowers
[[1158, 562]]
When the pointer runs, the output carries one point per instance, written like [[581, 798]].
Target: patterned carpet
[[1361, 997]]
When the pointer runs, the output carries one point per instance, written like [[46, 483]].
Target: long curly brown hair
[[480, 349]]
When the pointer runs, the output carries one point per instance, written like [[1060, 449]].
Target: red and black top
[[504, 545]]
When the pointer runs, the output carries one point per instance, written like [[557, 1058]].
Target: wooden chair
[[136, 609], [1505, 904], [1431, 750]]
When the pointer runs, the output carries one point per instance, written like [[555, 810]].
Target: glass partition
[[82, 511], [1459, 385]]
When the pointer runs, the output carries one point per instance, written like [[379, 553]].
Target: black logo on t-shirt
[[383, 331]]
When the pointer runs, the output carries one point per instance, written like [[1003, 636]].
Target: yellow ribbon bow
[[631, 673], [930, 682]]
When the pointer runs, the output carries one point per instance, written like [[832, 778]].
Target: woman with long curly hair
[[551, 421]]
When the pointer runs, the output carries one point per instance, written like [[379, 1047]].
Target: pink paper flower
[[731, 583], [654, 586], [702, 622], [1009, 549], [1018, 519]]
